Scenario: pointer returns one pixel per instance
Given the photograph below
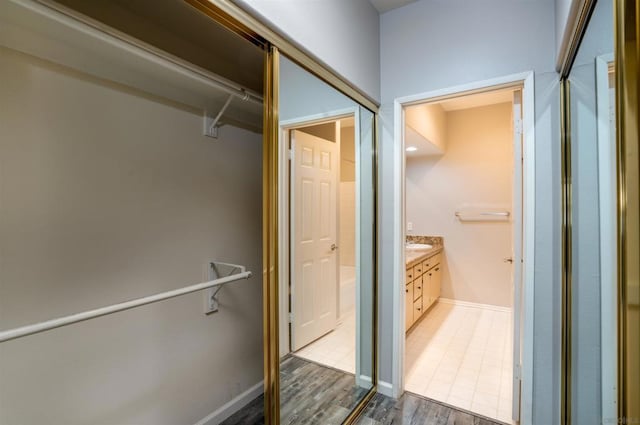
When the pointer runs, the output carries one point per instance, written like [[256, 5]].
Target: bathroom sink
[[418, 246]]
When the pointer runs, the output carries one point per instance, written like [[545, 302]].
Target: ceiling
[[425, 147], [387, 5], [479, 99]]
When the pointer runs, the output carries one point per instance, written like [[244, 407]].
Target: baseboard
[[385, 388], [363, 381], [232, 406], [474, 305]]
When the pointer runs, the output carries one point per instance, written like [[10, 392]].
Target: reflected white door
[[314, 215]]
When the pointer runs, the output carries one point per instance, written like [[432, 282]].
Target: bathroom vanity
[[422, 282]]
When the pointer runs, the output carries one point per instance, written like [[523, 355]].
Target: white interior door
[[518, 280], [314, 215]]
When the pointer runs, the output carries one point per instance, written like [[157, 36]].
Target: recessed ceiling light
[[412, 149]]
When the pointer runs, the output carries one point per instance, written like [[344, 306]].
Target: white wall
[[562, 8], [108, 194], [473, 41], [600, 23], [345, 35], [303, 95], [475, 171]]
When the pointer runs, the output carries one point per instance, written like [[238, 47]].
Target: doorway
[[320, 292], [446, 206]]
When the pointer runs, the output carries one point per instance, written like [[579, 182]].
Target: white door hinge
[[517, 372], [518, 126]]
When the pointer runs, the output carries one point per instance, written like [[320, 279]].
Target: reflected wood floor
[[309, 394], [315, 394]]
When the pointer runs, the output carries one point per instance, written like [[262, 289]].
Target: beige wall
[[347, 224], [430, 121], [476, 170], [347, 154], [107, 194], [347, 197]]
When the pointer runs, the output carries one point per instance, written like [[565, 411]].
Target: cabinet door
[[417, 309], [436, 279], [408, 276], [417, 287], [427, 289], [408, 306], [427, 264]]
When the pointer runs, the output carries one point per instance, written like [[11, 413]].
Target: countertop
[[413, 257]]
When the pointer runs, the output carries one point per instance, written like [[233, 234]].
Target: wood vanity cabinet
[[422, 288]]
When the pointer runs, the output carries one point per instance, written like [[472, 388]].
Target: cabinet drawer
[[409, 276], [430, 262], [417, 309], [408, 289], [417, 288], [408, 306]]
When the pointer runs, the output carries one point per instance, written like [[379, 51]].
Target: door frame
[[607, 172], [284, 224], [526, 81]]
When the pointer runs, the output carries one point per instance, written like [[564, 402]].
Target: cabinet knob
[[419, 287], [407, 291], [438, 269], [429, 274]]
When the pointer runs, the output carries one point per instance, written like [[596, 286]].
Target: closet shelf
[[59, 35]]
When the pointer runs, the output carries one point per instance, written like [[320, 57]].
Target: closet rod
[[127, 305], [82, 23]]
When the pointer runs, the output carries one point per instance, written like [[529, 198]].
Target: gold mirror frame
[[565, 164], [234, 18], [627, 55]]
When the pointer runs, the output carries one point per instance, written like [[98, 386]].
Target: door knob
[[508, 260], [334, 247]]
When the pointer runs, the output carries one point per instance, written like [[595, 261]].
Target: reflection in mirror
[[327, 249], [593, 244]]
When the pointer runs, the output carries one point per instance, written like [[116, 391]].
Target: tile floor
[[336, 349], [462, 356]]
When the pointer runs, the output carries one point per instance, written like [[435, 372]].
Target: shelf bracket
[[217, 270], [211, 125]]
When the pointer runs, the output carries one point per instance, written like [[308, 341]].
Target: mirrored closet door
[[327, 249], [592, 298], [601, 287]]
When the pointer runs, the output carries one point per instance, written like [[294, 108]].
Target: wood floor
[[314, 394], [411, 409]]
